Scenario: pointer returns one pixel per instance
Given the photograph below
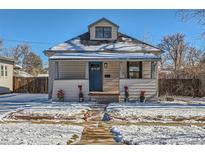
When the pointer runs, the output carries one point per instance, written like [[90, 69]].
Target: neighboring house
[[42, 75], [6, 75], [18, 72], [165, 74], [103, 61]]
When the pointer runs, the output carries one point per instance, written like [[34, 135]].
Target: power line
[[30, 42]]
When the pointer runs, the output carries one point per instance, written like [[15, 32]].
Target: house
[[42, 75], [165, 73], [105, 63], [6, 75], [18, 72]]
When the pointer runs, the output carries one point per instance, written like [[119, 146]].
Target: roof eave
[[102, 20], [117, 51], [6, 59], [109, 59]]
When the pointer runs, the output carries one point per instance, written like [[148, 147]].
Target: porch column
[[153, 70], [57, 70], [86, 70], [123, 69]]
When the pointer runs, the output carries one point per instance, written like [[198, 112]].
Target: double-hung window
[[6, 71], [134, 70], [2, 70], [103, 32]]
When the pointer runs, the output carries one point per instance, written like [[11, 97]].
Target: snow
[[191, 100], [156, 113], [38, 105], [10, 102], [184, 100], [33, 119], [135, 134], [32, 106], [40, 134], [24, 98], [105, 56], [75, 44], [56, 111]]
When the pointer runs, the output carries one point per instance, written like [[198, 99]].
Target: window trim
[[2, 70], [140, 70], [5, 70], [103, 32]]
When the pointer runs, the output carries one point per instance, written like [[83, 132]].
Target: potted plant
[[81, 97], [60, 95], [126, 94], [142, 96]]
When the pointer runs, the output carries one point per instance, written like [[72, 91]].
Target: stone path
[[96, 131]]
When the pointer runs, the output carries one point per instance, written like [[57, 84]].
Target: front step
[[104, 97]]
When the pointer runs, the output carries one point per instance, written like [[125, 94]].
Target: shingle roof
[[123, 43], [6, 59]]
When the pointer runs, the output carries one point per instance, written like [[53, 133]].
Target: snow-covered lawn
[[28, 133], [10, 102], [184, 100], [134, 134], [156, 113], [69, 112]]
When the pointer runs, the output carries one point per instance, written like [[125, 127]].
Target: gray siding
[[72, 70], [111, 84]]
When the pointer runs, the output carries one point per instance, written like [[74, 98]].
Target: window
[[103, 32], [134, 70], [6, 71], [95, 67], [2, 70]]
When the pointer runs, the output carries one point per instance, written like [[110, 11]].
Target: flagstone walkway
[[96, 131]]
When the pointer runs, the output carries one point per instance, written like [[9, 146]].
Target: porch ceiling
[[105, 56]]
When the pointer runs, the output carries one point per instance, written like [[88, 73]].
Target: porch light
[[105, 65]]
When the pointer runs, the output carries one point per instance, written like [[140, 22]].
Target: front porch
[[103, 80]]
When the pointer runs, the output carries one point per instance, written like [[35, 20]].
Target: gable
[[103, 23], [103, 20]]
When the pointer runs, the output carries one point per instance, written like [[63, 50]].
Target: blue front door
[[95, 76]]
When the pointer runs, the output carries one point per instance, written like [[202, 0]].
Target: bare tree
[[1, 47], [193, 56], [33, 64], [20, 52], [193, 65], [196, 15], [3, 51], [24, 57], [190, 14], [175, 47], [163, 63], [1, 44]]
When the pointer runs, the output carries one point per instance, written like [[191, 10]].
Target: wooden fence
[[30, 85], [180, 87]]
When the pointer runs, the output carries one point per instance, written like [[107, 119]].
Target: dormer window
[[103, 32]]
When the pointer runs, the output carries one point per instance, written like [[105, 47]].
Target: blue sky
[[54, 26]]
